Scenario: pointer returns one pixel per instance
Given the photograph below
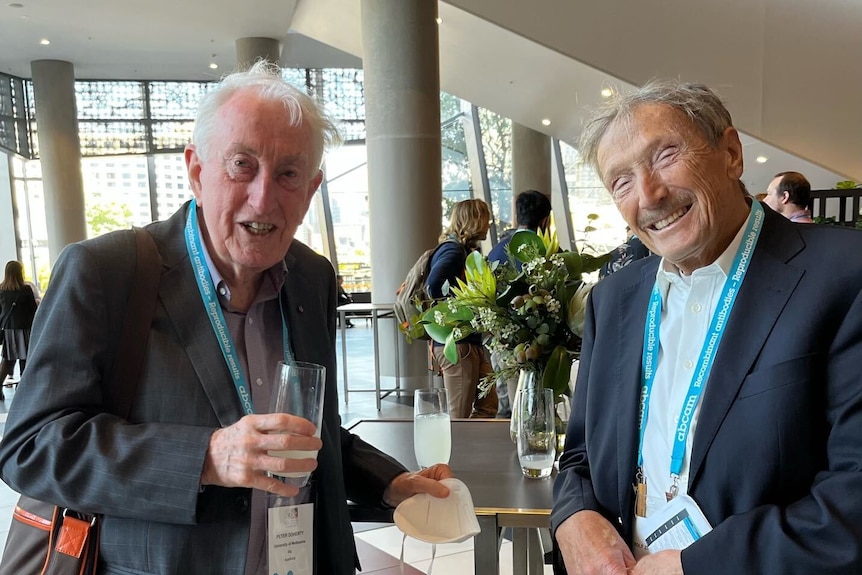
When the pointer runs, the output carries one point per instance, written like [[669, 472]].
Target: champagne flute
[[432, 430]]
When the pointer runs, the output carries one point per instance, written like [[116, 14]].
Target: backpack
[[412, 300]]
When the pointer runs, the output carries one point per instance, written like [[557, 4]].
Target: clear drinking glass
[[527, 379], [432, 430], [536, 433], [298, 391]]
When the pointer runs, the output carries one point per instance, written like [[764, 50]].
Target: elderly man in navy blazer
[[720, 384], [183, 482]]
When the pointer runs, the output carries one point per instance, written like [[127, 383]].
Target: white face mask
[[435, 520]]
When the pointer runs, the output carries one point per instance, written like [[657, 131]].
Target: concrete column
[[60, 153], [531, 161], [249, 50], [402, 115]]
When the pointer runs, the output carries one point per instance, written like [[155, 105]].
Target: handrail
[[834, 204]]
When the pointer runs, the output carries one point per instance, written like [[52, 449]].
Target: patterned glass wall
[[14, 119]]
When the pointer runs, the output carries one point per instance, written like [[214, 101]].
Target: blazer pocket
[[768, 378]]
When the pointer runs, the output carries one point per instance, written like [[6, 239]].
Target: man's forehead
[[648, 124]]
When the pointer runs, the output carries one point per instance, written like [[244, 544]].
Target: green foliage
[[107, 217], [532, 318]]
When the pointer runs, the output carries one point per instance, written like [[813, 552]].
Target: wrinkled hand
[[661, 563], [237, 455], [425, 481], [591, 546]]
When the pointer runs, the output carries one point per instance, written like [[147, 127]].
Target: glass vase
[[527, 379]]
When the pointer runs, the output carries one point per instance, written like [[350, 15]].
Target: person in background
[[532, 213], [17, 308], [789, 194], [182, 484], [631, 250], [469, 224], [711, 393], [343, 298]]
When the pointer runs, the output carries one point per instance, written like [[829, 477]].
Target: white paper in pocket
[[435, 520]]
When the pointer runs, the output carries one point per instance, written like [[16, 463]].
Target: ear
[[785, 197], [732, 147], [193, 168]]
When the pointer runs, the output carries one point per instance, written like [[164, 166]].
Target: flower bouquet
[[531, 318]]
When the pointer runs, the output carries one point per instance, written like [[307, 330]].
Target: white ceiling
[[772, 60]]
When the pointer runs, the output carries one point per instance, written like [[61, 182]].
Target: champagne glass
[[536, 432], [432, 430], [298, 391]]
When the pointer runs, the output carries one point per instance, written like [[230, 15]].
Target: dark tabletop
[[483, 457]]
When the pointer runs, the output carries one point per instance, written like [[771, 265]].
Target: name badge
[[290, 539], [675, 525]]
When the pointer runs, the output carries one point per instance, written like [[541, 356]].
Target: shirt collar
[[668, 273]]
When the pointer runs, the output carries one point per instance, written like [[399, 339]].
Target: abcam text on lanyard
[[707, 354], [215, 314]]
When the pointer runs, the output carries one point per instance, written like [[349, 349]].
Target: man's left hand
[[425, 481], [662, 563]]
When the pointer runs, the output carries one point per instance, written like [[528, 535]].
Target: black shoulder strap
[[126, 373]]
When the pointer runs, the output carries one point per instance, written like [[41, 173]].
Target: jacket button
[[620, 520], [242, 503], [300, 308]]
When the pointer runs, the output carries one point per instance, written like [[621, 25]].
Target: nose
[[261, 191], [651, 189]]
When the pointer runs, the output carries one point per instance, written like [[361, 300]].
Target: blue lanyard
[[707, 354], [216, 316]]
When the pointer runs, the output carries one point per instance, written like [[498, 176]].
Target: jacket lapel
[[184, 307], [764, 294]]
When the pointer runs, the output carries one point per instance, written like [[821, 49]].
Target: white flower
[[456, 333], [438, 317]]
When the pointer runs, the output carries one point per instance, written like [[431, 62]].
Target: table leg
[[343, 317], [535, 557], [374, 324], [486, 546], [397, 358], [520, 550]]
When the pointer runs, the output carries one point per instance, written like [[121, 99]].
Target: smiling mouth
[[258, 228], [661, 224]]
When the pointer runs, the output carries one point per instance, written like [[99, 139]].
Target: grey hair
[[266, 80], [696, 101]]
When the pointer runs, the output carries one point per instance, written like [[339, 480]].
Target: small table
[[486, 460], [378, 311]]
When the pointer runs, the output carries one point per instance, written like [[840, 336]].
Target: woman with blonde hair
[[469, 224], [17, 308]]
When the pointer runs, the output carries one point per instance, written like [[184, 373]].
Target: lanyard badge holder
[[707, 356], [290, 521]]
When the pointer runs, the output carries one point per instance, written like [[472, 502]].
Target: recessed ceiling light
[[439, 20], [761, 159], [44, 41], [607, 92], [546, 122], [213, 65]]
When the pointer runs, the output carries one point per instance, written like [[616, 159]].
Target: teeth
[[258, 227], [670, 219]]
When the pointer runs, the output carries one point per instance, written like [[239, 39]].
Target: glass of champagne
[[432, 430], [298, 391], [536, 433]]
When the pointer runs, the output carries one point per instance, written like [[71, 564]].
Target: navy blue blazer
[[776, 463]]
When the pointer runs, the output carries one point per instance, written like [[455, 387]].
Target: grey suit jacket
[[64, 444], [776, 463]]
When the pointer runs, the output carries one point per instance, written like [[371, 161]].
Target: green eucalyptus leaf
[[574, 263], [557, 370], [450, 349], [593, 263], [531, 242]]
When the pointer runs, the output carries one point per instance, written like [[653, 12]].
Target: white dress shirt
[[688, 304]]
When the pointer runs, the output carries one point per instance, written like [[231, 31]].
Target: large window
[[133, 134]]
